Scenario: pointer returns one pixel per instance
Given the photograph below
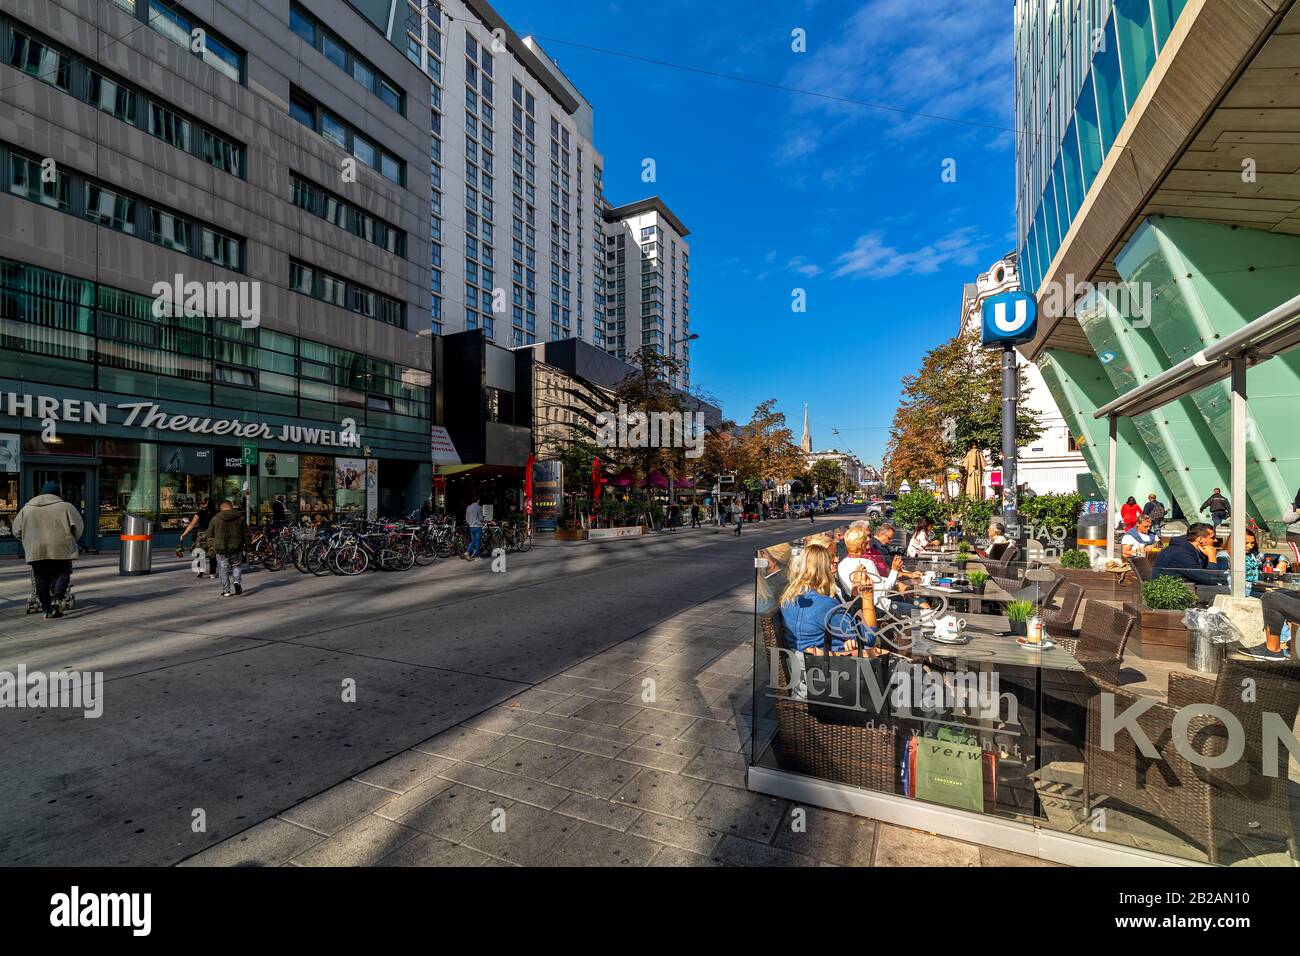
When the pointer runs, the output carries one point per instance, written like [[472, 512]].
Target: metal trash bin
[[1091, 534], [1204, 656], [136, 556]]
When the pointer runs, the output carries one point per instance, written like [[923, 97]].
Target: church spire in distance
[[806, 444]]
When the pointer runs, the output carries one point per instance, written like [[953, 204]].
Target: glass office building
[[1158, 204]]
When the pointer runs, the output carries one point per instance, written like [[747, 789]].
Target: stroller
[[67, 604]]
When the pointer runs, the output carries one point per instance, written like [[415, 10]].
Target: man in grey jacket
[[49, 529]]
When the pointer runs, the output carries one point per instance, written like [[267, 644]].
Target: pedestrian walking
[[812, 514], [229, 538], [1129, 513], [1218, 508], [1155, 510], [49, 529], [695, 515], [198, 525], [474, 518], [740, 516], [672, 517]]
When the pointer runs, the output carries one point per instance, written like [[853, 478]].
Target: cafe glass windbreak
[[1017, 691]]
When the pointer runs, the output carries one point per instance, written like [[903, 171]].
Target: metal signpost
[[250, 458], [1010, 318]]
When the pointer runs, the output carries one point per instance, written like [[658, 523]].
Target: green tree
[[646, 390], [826, 474]]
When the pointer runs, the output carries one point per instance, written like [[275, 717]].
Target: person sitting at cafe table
[[809, 604], [997, 535], [1140, 540], [1254, 561], [921, 541], [1281, 609], [1193, 558]]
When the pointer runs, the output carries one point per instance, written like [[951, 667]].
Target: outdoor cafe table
[[990, 648], [993, 593]]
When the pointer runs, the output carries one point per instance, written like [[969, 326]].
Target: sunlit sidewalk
[[633, 757]]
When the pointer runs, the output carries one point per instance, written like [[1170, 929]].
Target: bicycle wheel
[[272, 557], [526, 541], [349, 560], [398, 557], [318, 559], [426, 551]]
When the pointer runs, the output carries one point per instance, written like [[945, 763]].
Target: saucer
[[1045, 645]]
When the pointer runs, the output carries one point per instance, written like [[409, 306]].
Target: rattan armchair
[[1060, 621], [1212, 808], [863, 756], [1141, 565], [1103, 634]]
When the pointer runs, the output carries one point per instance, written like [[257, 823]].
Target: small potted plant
[[1074, 558], [963, 555], [1018, 614], [1160, 634], [978, 579]]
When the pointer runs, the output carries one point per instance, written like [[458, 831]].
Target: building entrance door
[[76, 488]]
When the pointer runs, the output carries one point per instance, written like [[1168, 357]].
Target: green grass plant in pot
[[1018, 614], [978, 579], [1167, 594], [1074, 558]]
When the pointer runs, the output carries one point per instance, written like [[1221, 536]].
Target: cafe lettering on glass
[[152, 415]]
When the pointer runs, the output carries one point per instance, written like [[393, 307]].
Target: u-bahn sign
[[1009, 319]]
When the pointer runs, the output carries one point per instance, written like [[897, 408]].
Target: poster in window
[[9, 451], [349, 484], [277, 464], [184, 460], [315, 484], [372, 489]]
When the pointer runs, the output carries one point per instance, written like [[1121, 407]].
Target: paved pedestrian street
[[499, 719]]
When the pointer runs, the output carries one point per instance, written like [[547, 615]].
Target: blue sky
[[784, 191]]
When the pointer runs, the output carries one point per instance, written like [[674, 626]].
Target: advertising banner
[[349, 484], [548, 485], [10, 449], [372, 488], [277, 464]]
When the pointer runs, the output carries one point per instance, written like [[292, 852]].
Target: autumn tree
[[954, 400], [826, 475], [646, 390], [767, 445]]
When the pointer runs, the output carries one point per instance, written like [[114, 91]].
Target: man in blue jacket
[[1193, 558]]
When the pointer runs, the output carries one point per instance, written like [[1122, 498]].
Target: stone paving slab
[[580, 770]]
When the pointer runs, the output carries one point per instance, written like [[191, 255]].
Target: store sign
[[151, 415], [443, 448]]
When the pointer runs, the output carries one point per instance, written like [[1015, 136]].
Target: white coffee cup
[[949, 626]]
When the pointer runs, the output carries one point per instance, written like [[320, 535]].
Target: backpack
[[1157, 513]]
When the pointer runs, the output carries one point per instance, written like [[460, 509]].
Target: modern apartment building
[[1052, 463], [1158, 206], [516, 197], [266, 160], [647, 281]]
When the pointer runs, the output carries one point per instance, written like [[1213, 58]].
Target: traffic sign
[[249, 454], [1009, 318]]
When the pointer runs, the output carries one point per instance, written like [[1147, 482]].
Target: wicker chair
[[1102, 637], [1060, 621], [1141, 565], [1037, 592], [860, 756], [1211, 808]]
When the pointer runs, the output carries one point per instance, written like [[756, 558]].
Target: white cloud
[[802, 266], [872, 258]]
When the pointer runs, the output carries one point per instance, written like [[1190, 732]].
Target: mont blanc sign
[[45, 409]]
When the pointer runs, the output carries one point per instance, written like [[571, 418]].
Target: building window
[[180, 28], [110, 209], [41, 61], [25, 180], [220, 249], [108, 96], [303, 23], [169, 127], [168, 229]]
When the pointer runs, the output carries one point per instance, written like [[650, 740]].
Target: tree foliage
[[827, 475], [959, 384]]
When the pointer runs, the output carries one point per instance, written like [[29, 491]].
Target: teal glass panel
[[1137, 49], [1068, 162], [1091, 150], [1049, 213], [1166, 15], [1046, 245], [1106, 72]]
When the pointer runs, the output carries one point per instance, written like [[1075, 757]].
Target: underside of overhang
[[1238, 165]]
